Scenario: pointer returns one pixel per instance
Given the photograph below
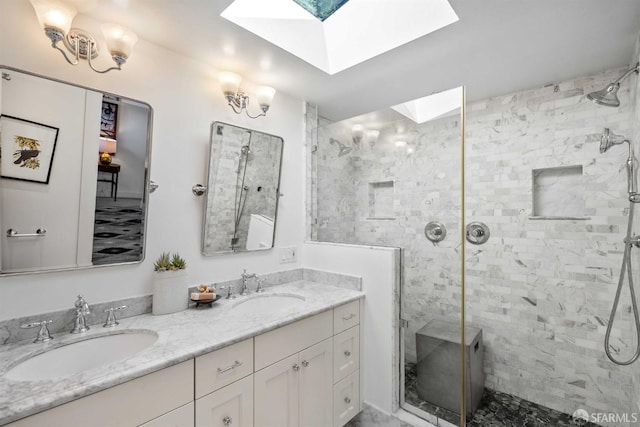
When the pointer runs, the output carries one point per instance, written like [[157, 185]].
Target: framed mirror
[[74, 173], [243, 188]]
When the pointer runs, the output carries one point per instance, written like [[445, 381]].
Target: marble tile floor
[[496, 409]]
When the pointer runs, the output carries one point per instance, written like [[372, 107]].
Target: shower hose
[[626, 268]]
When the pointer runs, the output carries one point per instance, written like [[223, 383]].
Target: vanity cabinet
[[305, 374]]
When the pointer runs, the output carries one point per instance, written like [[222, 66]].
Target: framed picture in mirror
[[26, 149], [109, 120]]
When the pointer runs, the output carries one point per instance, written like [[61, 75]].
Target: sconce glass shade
[[264, 96], [54, 14], [357, 132], [230, 83], [119, 40], [108, 145], [372, 135]]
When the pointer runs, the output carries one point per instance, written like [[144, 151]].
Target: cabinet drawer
[[222, 367], [231, 406], [346, 399], [181, 417], [346, 316], [346, 353], [280, 343], [128, 404]]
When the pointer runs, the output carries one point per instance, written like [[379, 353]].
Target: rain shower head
[[343, 149], [609, 95], [609, 139]]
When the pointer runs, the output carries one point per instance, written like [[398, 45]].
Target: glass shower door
[[430, 205]]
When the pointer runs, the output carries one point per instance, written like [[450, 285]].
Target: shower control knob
[[435, 232], [477, 233]]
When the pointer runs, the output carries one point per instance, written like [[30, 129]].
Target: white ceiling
[[497, 47]]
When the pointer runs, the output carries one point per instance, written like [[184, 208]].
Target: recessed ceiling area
[[495, 48], [358, 31]]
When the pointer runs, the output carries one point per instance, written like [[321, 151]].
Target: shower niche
[[558, 193], [381, 200]]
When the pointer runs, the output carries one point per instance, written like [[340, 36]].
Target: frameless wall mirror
[[74, 166], [242, 190]]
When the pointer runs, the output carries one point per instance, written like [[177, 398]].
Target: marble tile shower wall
[[540, 290], [225, 158]]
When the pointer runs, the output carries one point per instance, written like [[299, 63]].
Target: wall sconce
[[108, 147], [238, 100], [357, 133], [371, 136], [55, 17]]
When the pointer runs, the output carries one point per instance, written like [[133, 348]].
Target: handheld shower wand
[[608, 140]]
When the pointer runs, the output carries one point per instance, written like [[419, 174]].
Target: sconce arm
[[118, 62], [56, 36]]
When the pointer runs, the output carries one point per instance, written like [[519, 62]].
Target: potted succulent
[[169, 284]]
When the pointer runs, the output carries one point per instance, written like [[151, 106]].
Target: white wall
[[131, 152], [378, 268], [186, 98]]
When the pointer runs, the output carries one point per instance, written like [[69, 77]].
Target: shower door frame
[[401, 322]]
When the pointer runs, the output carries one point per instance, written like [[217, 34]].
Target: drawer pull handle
[[227, 421], [349, 317], [230, 368], [296, 368], [305, 363], [347, 353], [347, 400]]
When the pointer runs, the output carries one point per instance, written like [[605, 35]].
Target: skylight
[[321, 9], [430, 107], [358, 31]]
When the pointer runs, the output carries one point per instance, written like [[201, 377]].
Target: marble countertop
[[181, 336]]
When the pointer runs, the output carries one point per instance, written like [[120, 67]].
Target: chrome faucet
[[82, 309], [245, 279]]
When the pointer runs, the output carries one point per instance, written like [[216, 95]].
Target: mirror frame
[[147, 177], [212, 173]]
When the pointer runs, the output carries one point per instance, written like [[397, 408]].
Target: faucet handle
[[111, 316], [81, 305], [229, 290], [43, 332], [260, 287]]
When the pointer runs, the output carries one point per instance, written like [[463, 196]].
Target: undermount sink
[[80, 356], [267, 303]]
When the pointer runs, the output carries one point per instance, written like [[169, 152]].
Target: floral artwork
[[31, 146]]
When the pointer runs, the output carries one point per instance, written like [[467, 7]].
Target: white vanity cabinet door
[[315, 385], [181, 417], [276, 394], [230, 406], [346, 353]]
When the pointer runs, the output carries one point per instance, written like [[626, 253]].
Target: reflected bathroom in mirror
[[91, 210], [242, 190]]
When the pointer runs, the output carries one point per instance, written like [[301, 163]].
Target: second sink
[[267, 303]]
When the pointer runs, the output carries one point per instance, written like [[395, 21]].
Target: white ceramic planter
[[169, 292]]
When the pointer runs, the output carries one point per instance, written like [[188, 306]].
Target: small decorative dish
[[208, 302]]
